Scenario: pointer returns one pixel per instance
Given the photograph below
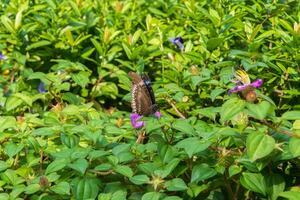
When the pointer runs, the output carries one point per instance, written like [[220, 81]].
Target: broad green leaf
[[193, 145], [176, 184], [33, 188], [233, 170], [4, 196], [254, 182], [290, 195], [184, 126], [124, 170], [151, 196], [259, 145], [7, 122], [294, 147], [12, 149], [119, 195], [12, 102], [139, 179], [202, 172], [165, 170], [81, 78], [79, 165], [166, 152], [230, 108], [260, 110], [152, 125], [172, 198], [296, 125], [103, 167], [291, 115], [62, 188], [85, 188], [275, 185], [56, 165], [3, 165], [38, 44]]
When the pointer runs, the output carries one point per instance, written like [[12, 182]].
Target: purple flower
[[157, 114], [178, 41], [41, 88], [134, 118], [2, 57], [256, 84]]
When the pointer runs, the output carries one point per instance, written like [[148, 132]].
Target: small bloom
[[157, 114], [134, 118], [2, 57], [178, 41], [41, 88]]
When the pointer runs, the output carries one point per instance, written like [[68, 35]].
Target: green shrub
[[65, 131]]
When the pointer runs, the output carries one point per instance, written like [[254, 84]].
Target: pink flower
[[134, 118], [157, 114]]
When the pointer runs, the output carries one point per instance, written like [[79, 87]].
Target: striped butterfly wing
[[143, 100]]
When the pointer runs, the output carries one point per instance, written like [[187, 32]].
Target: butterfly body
[[143, 99]]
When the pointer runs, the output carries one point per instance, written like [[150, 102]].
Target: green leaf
[[38, 44], [176, 184], [291, 115], [119, 195], [233, 170], [193, 145], [3, 165], [254, 182], [62, 188], [81, 78], [85, 188], [213, 43], [259, 145], [139, 179], [165, 170], [124, 170], [152, 125], [12, 102], [184, 126], [151, 196], [7, 122], [103, 167], [33, 188], [79, 165], [11, 149], [290, 195], [275, 185], [260, 110], [230, 108], [172, 198], [56, 166], [294, 147], [166, 152], [296, 125], [4, 196], [202, 172]]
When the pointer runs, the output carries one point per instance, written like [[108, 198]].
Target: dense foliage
[[65, 131]]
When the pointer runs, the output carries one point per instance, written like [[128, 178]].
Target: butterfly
[[143, 99], [245, 86]]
